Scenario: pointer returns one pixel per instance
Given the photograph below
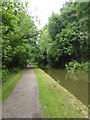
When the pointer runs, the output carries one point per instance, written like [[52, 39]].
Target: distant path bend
[[24, 100]]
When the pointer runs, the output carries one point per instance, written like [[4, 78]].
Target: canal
[[77, 85]]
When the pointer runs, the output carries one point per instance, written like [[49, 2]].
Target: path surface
[[24, 101]]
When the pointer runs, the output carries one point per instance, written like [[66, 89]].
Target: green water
[[76, 84]]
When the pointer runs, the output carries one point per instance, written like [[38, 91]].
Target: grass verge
[[57, 102], [10, 84]]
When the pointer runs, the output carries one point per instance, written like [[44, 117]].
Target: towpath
[[24, 100]]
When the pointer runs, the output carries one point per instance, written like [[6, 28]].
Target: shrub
[[5, 74], [76, 70], [76, 66], [14, 70]]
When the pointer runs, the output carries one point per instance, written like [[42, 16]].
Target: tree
[[68, 36], [19, 35]]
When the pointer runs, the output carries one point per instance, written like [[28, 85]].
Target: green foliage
[[84, 13], [66, 35], [54, 25], [76, 66], [64, 38], [19, 35], [44, 42], [77, 71], [5, 74]]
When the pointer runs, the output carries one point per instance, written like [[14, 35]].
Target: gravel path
[[24, 100]]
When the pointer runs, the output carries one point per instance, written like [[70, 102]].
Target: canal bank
[[75, 83], [57, 102]]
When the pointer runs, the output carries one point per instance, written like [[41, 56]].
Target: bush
[[14, 70], [77, 71], [5, 74], [76, 66], [8, 73]]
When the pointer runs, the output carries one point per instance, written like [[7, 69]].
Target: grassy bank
[[57, 102], [10, 83]]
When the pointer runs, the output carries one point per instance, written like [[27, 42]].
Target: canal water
[[76, 84]]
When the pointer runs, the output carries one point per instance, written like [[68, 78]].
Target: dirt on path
[[24, 100]]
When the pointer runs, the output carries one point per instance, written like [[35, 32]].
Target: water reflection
[[77, 84]]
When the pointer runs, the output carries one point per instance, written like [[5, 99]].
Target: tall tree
[[19, 35]]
